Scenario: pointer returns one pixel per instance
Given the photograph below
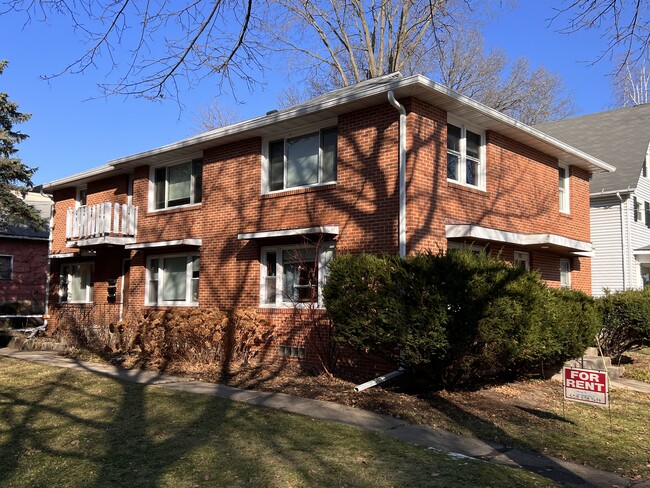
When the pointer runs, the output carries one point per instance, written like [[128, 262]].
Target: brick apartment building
[[248, 215]]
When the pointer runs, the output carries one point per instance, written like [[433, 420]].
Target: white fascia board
[[323, 229], [178, 242], [78, 177], [487, 234]]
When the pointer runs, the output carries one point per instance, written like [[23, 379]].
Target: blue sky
[[72, 130]]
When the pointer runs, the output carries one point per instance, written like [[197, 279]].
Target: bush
[[456, 317], [626, 321]]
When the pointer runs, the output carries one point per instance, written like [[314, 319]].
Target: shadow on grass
[[67, 430], [542, 414], [529, 460]]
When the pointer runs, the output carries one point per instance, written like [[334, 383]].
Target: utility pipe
[[50, 238], [624, 254], [402, 174], [379, 379]]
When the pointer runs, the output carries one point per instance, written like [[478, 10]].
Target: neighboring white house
[[619, 201]]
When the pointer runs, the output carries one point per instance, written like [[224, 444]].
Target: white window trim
[[188, 281], [323, 258], [89, 288], [567, 272], [481, 173], [11, 267], [565, 197], [307, 129], [152, 184], [522, 257]]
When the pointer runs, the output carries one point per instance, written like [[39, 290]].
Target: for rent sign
[[585, 385]]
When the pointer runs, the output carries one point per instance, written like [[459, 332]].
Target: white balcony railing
[[104, 219]]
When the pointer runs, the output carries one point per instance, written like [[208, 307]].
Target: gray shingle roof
[[619, 137]]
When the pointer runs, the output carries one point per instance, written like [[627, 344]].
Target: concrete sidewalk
[[456, 445]]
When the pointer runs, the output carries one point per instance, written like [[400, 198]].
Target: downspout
[[46, 312], [623, 237], [401, 238]]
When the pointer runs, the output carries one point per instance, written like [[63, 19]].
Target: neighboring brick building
[[23, 263], [254, 211]]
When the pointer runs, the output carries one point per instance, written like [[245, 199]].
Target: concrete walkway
[[422, 435]]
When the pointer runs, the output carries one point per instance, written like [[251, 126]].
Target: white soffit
[[323, 229], [196, 242], [62, 255], [464, 231]]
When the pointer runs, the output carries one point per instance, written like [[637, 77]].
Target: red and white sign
[[586, 385]]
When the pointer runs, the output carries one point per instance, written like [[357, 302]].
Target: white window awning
[[543, 241], [322, 229], [196, 242]]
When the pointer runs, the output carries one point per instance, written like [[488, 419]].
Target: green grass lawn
[[65, 428]]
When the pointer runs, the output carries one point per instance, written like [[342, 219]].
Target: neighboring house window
[[647, 213], [76, 283], [638, 213], [178, 184], [173, 280], [305, 160], [294, 275], [465, 155], [563, 173], [522, 260], [6, 267], [565, 273]]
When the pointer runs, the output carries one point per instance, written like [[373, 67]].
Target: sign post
[[586, 386]]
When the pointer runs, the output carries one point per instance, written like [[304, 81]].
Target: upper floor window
[[563, 187], [173, 280], [637, 208], [82, 196], [294, 275], [178, 184], [76, 283], [465, 155], [304, 160], [6, 267]]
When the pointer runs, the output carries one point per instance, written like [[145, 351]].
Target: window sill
[[470, 189], [290, 306], [299, 190], [180, 208], [170, 305]]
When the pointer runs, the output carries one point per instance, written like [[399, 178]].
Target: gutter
[[401, 238], [46, 314]]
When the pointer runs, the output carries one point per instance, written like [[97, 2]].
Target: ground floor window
[[565, 273], [294, 275], [172, 279], [6, 267], [522, 260], [76, 283]]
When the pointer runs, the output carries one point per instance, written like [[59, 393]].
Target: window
[[82, 196], [522, 260], [76, 283], [637, 209], [465, 155], [173, 280], [563, 174], [565, 273], [647, 213], [304, 160], [176, 185], [6, 267], [293, 275]]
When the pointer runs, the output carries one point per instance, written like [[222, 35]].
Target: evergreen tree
[[15, 176]]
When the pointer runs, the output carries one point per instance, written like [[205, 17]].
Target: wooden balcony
[[105, 223]]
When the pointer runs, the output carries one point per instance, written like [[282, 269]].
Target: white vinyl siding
[[607, 238]]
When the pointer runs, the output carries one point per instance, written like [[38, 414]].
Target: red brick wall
[[29, 270]]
